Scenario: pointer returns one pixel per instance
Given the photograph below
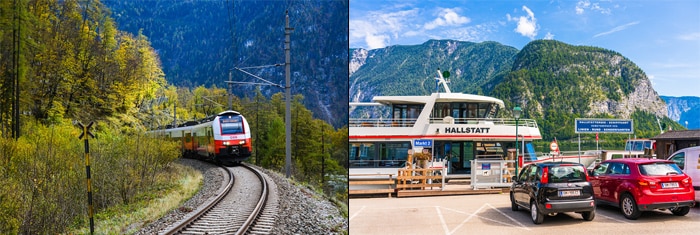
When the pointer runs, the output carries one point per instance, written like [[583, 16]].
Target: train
[[223, 138]]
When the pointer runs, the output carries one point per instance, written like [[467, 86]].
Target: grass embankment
[[151, 205]]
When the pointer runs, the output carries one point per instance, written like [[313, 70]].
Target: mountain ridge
[[684, 109], [554, 82], [199, 42]]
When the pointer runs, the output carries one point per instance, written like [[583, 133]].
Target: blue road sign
[[422, 143], [621, 126]]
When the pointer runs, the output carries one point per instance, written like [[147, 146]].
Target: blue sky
[[661, 37]]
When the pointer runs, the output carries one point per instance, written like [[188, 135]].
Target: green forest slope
[[552, 81]]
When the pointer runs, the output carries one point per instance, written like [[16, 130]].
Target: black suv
[[553, 187]]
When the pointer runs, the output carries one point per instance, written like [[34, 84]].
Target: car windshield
[[231, 124], [573, 173], [660, 168]]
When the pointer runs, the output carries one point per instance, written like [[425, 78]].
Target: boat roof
[[441, 97]]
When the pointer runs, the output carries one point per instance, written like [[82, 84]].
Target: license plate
[[669, 185], [570, 193]]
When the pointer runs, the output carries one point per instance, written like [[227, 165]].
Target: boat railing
[[409, 122], [489, 121], [378, 163], [382, 122]]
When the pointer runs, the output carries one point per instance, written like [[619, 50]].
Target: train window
[[231, 124]]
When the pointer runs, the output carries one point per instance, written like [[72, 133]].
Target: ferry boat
[[454, 127], [634, 148]]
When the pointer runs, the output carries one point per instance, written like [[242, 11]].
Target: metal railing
[[378, 163], [409, 122], [382, 122]]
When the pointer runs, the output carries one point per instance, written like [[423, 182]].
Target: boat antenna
[[441, 79], [659, 122]]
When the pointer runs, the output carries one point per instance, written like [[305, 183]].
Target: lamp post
[[516, 114]]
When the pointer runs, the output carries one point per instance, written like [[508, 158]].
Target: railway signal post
[[85, 136]]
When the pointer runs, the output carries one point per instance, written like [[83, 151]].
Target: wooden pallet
[[370, 181]]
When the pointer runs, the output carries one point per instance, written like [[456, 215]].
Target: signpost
[[422, 143], [554, 147], [589, 125], [620, 126], [85, 136]]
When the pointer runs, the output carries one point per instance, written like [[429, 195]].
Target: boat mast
[[440, 80]]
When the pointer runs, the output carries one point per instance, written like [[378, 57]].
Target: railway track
[[246, 204]]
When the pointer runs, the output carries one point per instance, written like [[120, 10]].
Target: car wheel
[[629, 207], [681, 211], [513, 205], [588, 215], [536, 216]]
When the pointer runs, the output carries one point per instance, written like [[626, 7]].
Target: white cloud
[[616, 29], [581, 6], [527, 25], [584, 5], [447, 17], [690, 37], [549, 36], [377, 28]]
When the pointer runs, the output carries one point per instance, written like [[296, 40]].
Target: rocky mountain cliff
[[684, 109], [199, 42], [552, 81]]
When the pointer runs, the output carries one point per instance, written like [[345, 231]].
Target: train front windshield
[[231, 124]]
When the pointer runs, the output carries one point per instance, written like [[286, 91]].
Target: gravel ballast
[[301, 211]]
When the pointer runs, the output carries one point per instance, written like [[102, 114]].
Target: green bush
[[43, 186]]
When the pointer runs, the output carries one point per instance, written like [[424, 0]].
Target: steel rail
[[208, 207], [261, 203]]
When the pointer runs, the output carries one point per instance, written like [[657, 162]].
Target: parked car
[[687, 160], [553, 187], [641, 184]]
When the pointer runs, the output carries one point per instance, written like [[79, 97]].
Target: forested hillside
[[409, 70], [555, 83], [201, 41], [552, 81], [65, 61]]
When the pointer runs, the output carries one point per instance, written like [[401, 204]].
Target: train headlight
[[241, 142], [227, 143]]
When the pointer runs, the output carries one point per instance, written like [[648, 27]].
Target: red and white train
[[224, 138]]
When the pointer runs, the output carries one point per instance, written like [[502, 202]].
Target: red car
[[640, 184]]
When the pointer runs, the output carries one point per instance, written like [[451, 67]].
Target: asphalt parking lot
[[491, 214]]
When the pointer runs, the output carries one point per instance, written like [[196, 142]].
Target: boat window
[[374, 155], [483, 107], [362, 151], [406, 111], [392, 154], [455, 110], [472, 110], [440, 110]]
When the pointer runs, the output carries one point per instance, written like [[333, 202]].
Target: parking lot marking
[[507, 216], [621, 221], [442, 220], [475, 214], [356, 213]]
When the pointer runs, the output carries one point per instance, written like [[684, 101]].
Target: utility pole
[[16, 43], [287, 91], [323, 159], [230, 91], [288, 94]]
